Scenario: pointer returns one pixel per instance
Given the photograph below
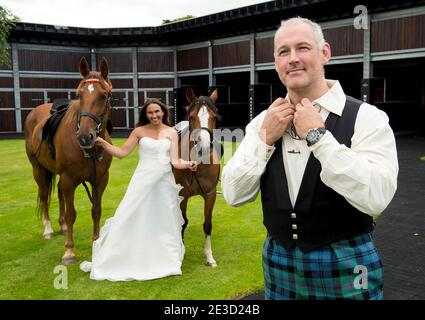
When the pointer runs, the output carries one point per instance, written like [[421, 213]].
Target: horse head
[[93, 93], [202, 115]]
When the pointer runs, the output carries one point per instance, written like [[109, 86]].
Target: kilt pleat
[[346, 269]]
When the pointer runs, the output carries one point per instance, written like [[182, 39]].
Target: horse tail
[[43, 203]]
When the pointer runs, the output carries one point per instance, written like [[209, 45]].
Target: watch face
[[312, 135]]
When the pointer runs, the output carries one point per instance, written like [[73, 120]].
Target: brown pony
[[73, 155], [197, 144]]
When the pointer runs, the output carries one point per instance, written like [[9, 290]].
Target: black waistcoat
[[320, 215]]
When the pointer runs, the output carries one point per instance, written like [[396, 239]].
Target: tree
[[7, 21], [177, 19]]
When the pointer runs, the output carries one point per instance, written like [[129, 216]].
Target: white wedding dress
[[142, 241]]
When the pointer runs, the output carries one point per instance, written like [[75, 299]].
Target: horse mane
[[71, 114]]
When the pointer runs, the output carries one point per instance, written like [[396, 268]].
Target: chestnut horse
[[197, 144], [73, 155]]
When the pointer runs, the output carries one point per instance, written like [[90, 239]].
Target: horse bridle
[[98, 120]]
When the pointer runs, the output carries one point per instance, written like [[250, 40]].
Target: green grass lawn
[[27, 262]]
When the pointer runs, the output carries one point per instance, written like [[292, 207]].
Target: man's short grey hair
[[317, 30]]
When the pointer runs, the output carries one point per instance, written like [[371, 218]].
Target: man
[[326, 165]]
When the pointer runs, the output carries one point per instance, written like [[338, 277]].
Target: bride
[[142, 241]]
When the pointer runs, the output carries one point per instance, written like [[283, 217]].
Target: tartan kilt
[[327, 273]]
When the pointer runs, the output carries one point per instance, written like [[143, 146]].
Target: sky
[[115, 13]]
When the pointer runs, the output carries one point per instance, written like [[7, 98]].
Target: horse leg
[[96, 210], [208, 209], [68, 190], [183, 207], [42, 177], [61, 211]]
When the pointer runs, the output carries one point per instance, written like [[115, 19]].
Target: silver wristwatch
[[314, 135]]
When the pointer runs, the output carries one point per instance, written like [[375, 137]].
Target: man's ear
[[326, 51]]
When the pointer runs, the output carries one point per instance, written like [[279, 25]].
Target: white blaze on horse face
[[203, 116], [90, 87]]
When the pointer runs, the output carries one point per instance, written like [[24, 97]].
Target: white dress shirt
[[365, 174]]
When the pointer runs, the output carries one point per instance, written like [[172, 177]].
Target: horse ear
[[84, 67], [104, 70], [190, 95], [214, 96]]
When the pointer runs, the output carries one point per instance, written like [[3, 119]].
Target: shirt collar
[[333, 100]]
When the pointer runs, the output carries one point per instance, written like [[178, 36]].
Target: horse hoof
[[211, 264], [69, 260], [48, 236]]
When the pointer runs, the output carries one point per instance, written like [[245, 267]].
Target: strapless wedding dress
[[142, 241]]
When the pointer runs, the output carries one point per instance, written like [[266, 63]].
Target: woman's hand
[[192, 165], [100, 141]]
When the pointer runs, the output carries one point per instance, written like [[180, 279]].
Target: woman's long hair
[[143, 119]]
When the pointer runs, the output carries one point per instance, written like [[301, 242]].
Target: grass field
[[27, 262]]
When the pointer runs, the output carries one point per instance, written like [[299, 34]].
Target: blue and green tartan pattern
[[327, 273]]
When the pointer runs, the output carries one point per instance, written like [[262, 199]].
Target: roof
[[255, 18]]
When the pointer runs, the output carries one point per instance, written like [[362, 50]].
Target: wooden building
[[378, 54]]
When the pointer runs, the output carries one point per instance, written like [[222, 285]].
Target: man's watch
[[314, 135]]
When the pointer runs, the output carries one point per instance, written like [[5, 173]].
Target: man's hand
[[279, 116], [306, 117]]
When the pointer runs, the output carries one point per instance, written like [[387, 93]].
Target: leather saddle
[[57, 112]]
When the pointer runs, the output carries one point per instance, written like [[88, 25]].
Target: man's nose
[[293, 56]]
